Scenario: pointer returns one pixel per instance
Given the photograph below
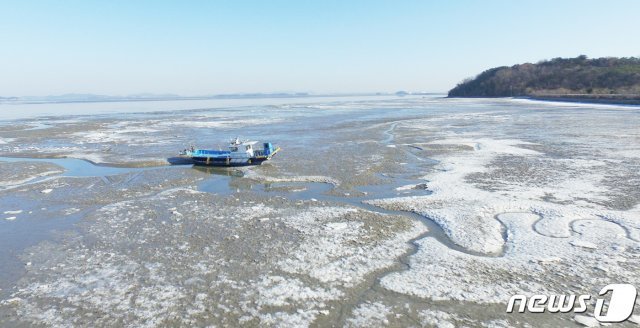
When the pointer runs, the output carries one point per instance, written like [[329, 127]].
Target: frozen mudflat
[[378, 212]]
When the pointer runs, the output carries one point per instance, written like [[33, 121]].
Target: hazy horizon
[[171, 96], [201, 48]]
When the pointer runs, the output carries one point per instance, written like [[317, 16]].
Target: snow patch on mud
[[369, 315], [437, 318], [537, 229], [235, 123], [464, 212], [13, 175], [330, 255], [250, 174], [119, 133], [241, 268], [525, 268]]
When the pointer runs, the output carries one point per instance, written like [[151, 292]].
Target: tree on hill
[[558, 76]]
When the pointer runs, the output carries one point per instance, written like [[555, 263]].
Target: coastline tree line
[[607, 77]]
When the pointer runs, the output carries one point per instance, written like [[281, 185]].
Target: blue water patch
[[81, 168]]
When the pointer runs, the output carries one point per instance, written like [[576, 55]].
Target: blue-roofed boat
[[240, 153]]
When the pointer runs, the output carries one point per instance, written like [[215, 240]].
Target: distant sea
[[17, 110]]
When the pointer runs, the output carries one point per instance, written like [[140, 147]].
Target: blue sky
[[211, 47]]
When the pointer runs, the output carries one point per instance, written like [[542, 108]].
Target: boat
[[240, 153]]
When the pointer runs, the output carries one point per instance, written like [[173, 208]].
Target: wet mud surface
[[401, 212]]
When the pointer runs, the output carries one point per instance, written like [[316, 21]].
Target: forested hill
[[578, 77]]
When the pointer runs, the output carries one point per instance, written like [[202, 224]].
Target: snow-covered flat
[[416, 211]]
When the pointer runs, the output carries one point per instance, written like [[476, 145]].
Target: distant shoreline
[[634, 100], [114, 99], [21, 111], [108, 99], [606, 80], [591, 99]]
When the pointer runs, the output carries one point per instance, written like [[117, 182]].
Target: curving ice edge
[[465, 213], [570, 237], [468, 214]]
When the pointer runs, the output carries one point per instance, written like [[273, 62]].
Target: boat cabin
[[242, 148]]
